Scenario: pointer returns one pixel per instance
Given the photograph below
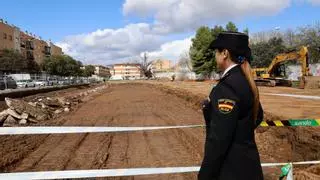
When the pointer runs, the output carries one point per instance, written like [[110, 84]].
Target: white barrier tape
[[116, 172], [293, 95], [85, 129], [306, 162], [294, 163], [95, 173]]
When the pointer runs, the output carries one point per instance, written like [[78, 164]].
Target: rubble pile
[[41, 108]]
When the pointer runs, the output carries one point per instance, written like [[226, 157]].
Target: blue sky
[[67, 22]]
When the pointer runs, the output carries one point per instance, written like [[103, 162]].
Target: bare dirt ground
[[153, 105], [283, 107]]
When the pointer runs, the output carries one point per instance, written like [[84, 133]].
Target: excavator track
[[265, 82]]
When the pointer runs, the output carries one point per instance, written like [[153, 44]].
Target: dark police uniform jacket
[[230, 149]]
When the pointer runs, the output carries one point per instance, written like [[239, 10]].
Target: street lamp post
[[276, 31]]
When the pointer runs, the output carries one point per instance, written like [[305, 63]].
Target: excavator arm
[[266, 76], [300, 56]]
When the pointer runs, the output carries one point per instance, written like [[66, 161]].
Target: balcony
[[23, 44], [29, 45], [47, 51]]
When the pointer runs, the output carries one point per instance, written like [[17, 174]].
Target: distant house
[[127, 70], [161, 66], [101, 72]]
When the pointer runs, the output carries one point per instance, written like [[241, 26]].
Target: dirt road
[[124, 105], [140, 105]]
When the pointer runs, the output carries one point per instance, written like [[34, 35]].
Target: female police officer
[[232, 112]]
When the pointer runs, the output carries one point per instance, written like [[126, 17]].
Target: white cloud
[[112, 45], [109, 46], [182, 15], [172, 50]]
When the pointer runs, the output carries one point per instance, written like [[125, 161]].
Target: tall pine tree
[[203, 58]]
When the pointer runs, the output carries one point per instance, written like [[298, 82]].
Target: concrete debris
[[58, 111], [34, 104], [40, 108], [32, 120], [10, 121], [43, 106], [3, 116], [21, 106], [53, 103], [61, 100], [23, 121], [13, 113], [24, 116]]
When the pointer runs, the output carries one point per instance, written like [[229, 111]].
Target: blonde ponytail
[[246, 68]]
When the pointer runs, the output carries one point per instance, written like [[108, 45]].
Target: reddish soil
[[144, 105]]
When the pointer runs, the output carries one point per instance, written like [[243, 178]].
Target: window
[[10, 38], [4, 36]]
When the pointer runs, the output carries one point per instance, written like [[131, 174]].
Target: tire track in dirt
[[124, 105]]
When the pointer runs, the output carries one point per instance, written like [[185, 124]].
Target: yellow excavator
[[275, 73]]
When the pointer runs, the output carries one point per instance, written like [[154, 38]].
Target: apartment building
[[55, 50], [6, 36], [17, 40], [102, 71], [41, 50], [29, 45], [161, 65], [127, 70]]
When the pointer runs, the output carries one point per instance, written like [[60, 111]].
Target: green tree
[[264, 52], [231, 27], [216, 31], [89, 70], [32, 66], [62, 65], [246, 31], [202, 57], [310, 36], [12, 61], [295, 38]]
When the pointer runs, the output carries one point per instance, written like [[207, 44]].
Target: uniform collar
[[228, 69], [231, 69]]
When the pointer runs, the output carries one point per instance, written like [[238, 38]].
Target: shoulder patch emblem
[[226, 106]]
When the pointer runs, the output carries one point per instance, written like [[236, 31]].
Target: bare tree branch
[[146, 65], [185, 62]]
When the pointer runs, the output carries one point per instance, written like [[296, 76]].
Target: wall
[[294, 71], [102, 71], [16, 37], [55, 50], [127, 70], [161, 65], [24, 38], [6, 36], [39, 50]]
